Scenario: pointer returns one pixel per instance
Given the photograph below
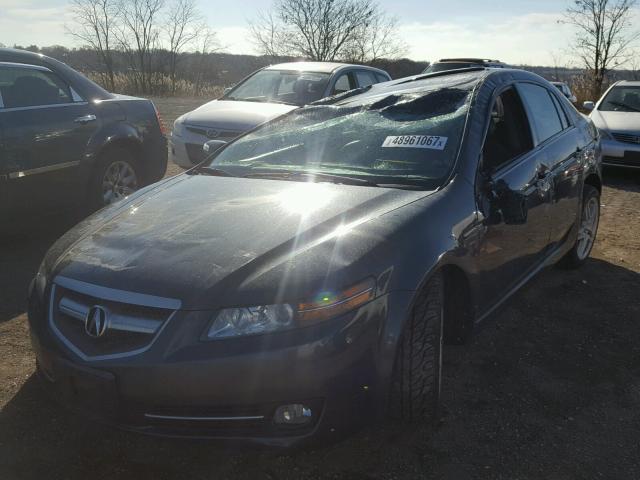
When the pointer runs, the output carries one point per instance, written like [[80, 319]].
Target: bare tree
[[634, 65], [138, 37], [268, 35], [181, 27], [376, 40], [206, 43], [603, 35], [322, 30], [94, 25]]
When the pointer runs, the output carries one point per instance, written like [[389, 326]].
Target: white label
[[432, 142]]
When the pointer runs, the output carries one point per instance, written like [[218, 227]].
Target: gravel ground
[[549, 388]]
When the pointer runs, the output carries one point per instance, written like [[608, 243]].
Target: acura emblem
[[212, 133], [95, 323]]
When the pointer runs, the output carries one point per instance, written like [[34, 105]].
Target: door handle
[[85, 119]]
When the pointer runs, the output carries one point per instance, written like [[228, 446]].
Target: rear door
[[513, 200], [560, 143], [45, 130]]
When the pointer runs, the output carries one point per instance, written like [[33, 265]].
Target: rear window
[[621, 99], [545, 117], [400, 139]]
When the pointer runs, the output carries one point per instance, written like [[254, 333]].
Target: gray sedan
[[617, 116], [265, 94]]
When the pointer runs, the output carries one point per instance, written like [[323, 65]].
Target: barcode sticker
[[432, 142]]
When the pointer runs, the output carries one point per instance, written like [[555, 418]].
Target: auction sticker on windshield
[[433, 142]]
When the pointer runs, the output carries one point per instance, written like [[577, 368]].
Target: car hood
[[235, 115], [616, 121], [202, 239]]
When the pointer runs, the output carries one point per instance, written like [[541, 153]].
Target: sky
[[516, 31]]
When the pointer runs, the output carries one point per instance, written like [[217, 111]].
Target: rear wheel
[[589, 220], [415, 387], [115, 177]]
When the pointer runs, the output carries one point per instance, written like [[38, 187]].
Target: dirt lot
[[548, 389]]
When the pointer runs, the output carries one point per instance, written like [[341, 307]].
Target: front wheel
[[587, 230], [415, 386]]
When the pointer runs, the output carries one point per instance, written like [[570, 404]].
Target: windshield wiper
[[260, 100], [624, 105], [214, 172], [289, 175]]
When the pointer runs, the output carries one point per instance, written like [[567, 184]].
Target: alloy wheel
[[588, 227], [119, 181]]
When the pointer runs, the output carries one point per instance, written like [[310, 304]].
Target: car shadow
[[21, 251], [548, 388], [621, 178]]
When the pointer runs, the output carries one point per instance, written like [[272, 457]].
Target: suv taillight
[[163, 128]]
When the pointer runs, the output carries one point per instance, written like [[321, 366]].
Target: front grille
[[214, 133], [131, 328], [626, 137]]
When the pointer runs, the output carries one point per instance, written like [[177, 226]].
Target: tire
[[116, 176], [415, 385], [587, 229]]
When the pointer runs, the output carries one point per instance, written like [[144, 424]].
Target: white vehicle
[[566, 91], [265, 94], [617, 116]]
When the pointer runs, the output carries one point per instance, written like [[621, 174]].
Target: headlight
[[233, 322], [178, 128]]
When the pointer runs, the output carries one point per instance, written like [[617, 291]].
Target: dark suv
[[457, 63], [64, 140]]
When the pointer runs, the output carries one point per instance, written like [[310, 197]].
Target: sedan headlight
[[178, 128], [234, 322]]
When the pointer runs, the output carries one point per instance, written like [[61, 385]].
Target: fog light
[[295, 414]]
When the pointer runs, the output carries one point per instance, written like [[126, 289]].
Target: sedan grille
[[129, 328], [214, 133], [626, 137]]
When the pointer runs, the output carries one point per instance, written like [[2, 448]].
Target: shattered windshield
[[402, 140]]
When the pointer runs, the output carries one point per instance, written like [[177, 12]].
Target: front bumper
[[230, 389], [178, 152], [620, 154]]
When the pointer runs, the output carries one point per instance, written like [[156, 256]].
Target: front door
[[45, 130], [514, 198]]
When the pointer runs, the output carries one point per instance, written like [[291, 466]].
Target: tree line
[[159, 46], [166, 46]]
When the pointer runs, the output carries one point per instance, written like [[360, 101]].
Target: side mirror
[[212, 146], [227, 90], [588, 105], [504, 205]]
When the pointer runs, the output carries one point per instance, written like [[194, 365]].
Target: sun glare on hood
[[305, 198]]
